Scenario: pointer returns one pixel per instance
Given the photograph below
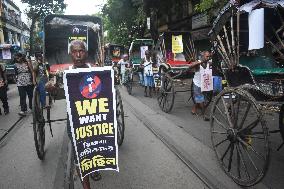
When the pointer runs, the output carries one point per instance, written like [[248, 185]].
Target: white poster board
[[206, 79], [6, 54], [256, 29], [142, 50]]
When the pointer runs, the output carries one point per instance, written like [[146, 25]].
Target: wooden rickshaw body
[[176, 76], [112, 53], [135, 51], [58, 29], [175, 62], [239, 133]]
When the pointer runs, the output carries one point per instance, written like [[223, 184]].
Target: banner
[[6, 54], [78, 32], [256, 29], [91, 106], [116, 52], [142, 51], [206, 79], [177, 44]]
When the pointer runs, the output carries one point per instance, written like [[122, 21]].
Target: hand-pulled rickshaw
[[59, 30], [239, 132], [112, 55], [176, 51]]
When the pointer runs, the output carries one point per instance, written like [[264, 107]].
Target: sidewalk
[[6, 121]]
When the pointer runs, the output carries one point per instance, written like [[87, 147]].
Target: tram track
[[205, 177], [14, 126]]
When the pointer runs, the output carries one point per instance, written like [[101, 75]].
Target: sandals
[[96, 176], [193, 113]]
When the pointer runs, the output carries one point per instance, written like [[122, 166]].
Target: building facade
[[171, 15], [12, 30]]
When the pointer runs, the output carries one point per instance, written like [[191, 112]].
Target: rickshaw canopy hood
[[232, 7]]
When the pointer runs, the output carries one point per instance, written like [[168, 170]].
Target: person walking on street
[[3, 90], [122, 64], [23, 71], [79, 53], [40, 77], [197, 94], [148, 74]]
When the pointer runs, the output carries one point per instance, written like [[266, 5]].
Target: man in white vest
[[197, 94]]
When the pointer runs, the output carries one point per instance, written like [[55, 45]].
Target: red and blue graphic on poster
[[90, 97]]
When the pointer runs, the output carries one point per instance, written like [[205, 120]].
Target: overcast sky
[[75, 7]]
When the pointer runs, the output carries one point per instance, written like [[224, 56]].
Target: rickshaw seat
[[240, 75]]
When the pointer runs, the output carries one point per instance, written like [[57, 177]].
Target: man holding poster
[[91, 114], [199, 80]]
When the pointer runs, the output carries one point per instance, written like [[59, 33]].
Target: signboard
[[206, 79], [90, 97], [256, 29], [148, 23], [6, 54], [177, 44], [142, 51], [78, 32], [116, 52]]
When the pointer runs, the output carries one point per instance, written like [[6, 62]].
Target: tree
[[206, 5], [123, 21], [37, 10]]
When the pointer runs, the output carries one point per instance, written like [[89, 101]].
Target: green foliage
[[206, 5], [123, 21], [37, 10]]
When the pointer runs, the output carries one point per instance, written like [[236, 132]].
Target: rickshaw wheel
[[38, 125], [281, 121], [120, 118], [207, 96], [167, 94], [239, 136]]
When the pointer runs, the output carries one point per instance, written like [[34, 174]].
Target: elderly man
[[197, 94], [79, 56]]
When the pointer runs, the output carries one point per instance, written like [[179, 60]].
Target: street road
[[176, 153]]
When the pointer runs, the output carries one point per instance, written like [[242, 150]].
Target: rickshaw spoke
[[219, 132], [251, 147], [219, 122], [242, 160], [227, 112], [239, 166], [232, 109], [245, 116], [219, 143], [250, 126], [249, 157], [218, 108], [237, 111], [228, 148], [231, 157]]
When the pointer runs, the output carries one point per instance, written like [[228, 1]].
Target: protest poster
[[78, 32], [116, 52], [143, 49], [90, 97], [206, 79], [6, 54], [177, 44]]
